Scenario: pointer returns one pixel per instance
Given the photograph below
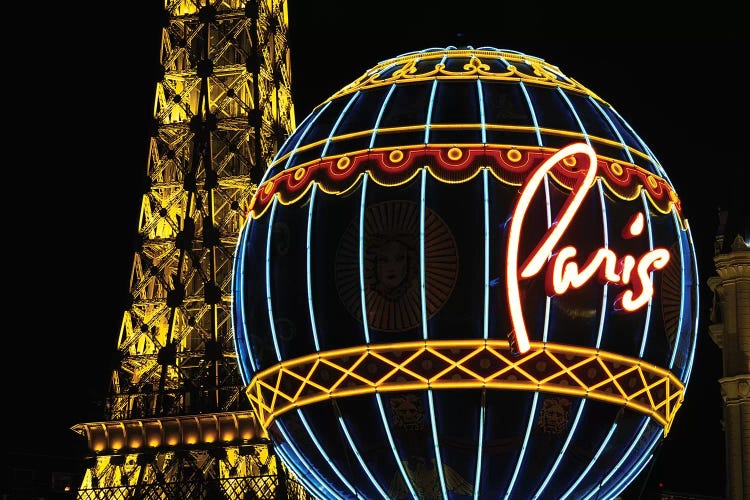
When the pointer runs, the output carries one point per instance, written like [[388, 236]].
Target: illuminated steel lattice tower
[[177, 423]]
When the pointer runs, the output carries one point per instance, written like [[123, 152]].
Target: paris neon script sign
[[563, 271]]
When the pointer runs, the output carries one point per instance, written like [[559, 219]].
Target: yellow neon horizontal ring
[[466, 364]]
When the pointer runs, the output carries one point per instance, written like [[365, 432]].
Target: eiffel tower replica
[[177, 423]]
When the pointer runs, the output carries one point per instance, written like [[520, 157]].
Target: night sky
[[80, 157]]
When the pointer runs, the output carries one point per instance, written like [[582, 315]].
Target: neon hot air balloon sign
[[563, 272]]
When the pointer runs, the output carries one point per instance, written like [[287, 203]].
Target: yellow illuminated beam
[[469, 363]]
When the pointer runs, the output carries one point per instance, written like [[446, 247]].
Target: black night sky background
[[79, 159]]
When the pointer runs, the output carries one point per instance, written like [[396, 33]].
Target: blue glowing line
[[268, 280], [438, 458], [380, 116], [591, 462], [302, 461], [625, 456], [563, 450], [533, 114], [689, 370], [522, 453], [480, 95], [635, 471], [387, 430], [548, 206], [605, 288], [308, 264], [575, 115], [308, 124], [547, 298], [240, 299], [613, 128], [362, 259], [480, 441], [324, 454], [429, 111], [660, 170], [338, 122], [676, 349], [625, 482], [486, 318], [422, 284], [359, 458], [646, 329]]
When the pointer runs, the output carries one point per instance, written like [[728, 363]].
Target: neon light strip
[[363, 301], [591, 462], [269, 400], [636, 470], [359, 458], [613, 127], [485, 187], [480, 95], [380, 116], [547, 298], [310, 307], [240, 292], [651, 274], [626, 455], [533, 114], [675, 348], [603, 308], [338, 122], [438, 456], [422, 279], [303, 462], [563, 450], [291, 185], [522, 453], [645, 147], [308, 124], [429, 111], [268, 282], [325, 455], [423, 292], [387, 430], [696, 295], [480, 441], [486, 318]]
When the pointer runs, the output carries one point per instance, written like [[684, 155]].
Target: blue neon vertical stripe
[[625, 456], [522, 453], [591, 462], [326, 491], [310, 307], [563, 450], [380, 115], [361, 246], [438, 456], [480, 441], [338, 122], [268, 280], [603, 308], [387, 428], [322, 451], [360, 459], [429, 111], [696, 295], [486, 316], [675, 348], [650, 232], [480, 95]]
